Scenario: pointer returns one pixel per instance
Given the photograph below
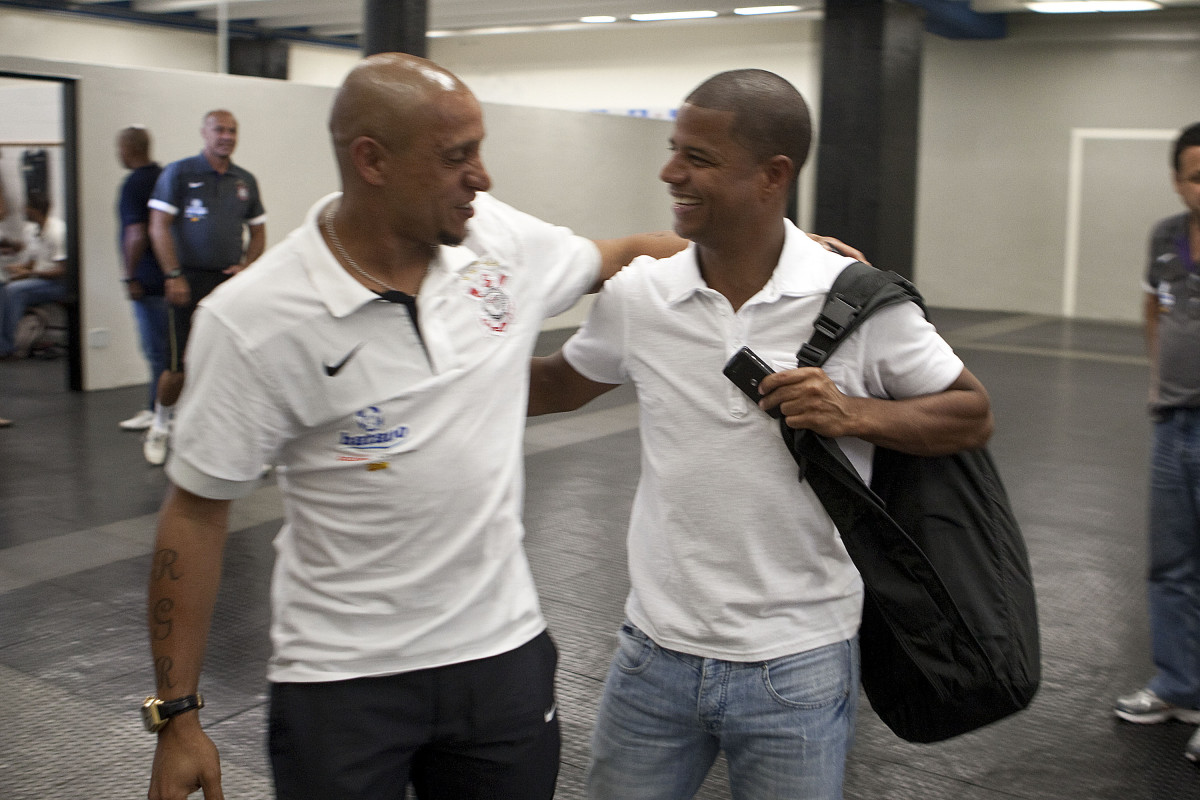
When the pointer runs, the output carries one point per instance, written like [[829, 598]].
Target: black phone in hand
[[747, 370]]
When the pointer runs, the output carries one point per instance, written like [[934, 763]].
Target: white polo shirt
[[400, 455], [730, 556]]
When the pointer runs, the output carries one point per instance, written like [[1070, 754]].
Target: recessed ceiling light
[[765, 10], [1092, 6], [672, 15], [598, 19]]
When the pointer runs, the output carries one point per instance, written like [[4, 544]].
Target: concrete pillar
[[261, 58], [867, 146], [395, 26]]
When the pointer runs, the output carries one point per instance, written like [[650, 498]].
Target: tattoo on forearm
[[162, 672], [162, 618], [164, 565]]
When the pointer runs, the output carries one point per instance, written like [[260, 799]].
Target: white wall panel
[[74, 38]]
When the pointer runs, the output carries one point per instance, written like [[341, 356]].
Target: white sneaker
[[155, 445], [139, 421], [1144, 706]]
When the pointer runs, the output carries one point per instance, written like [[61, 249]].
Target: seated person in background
[[37, 274]]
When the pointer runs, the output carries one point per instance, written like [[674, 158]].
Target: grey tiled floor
[[77, 507]]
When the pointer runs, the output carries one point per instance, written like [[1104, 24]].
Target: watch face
[[150, 716], [156, 713]]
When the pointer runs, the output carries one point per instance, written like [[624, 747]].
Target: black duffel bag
[[949, 637]]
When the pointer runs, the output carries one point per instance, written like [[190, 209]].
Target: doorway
[[38, 155]]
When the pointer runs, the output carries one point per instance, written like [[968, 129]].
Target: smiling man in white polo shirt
[[744, 606]]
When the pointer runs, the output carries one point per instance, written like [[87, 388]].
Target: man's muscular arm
[[184, 578]]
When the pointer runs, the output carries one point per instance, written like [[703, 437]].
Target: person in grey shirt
[[1172, 317]]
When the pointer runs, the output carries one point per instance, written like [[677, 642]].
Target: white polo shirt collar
[[337, 288], [795, 273]]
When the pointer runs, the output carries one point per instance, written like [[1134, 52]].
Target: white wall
[[322, 66], [996, 132], [70, 37], [644, 66], [603, 67]]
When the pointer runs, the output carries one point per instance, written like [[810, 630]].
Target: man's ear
[[778, 173], [368, 158]]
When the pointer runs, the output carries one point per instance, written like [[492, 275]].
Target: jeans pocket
[[812, 679], [635, 650]]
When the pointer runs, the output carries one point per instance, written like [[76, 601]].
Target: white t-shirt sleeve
[[904, 354], [597, 351], [229, 418]]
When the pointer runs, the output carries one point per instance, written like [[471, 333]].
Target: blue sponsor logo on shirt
[[375, 434], [380, 440]]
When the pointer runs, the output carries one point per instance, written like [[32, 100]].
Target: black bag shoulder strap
[[858, 292]]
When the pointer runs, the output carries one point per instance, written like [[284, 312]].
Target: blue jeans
[[150, 312], [20, 295], [1174, 578], [785, 725]]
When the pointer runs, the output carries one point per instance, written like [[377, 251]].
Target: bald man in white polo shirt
[[379, 356]]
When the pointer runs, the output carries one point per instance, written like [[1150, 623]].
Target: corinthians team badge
[[485, 282]]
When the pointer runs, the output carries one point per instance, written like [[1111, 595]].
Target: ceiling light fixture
[[1091, 6], [751, 10], [597, 19], [666, 15]]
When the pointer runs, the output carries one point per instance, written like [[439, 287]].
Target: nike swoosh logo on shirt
[[195, 185], [334, 369], [549, 715]]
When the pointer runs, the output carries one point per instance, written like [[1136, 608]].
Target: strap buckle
[[810, 356], [834, 317]]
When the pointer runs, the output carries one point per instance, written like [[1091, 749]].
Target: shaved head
[[384, 97], [407, 135], [770, 116]]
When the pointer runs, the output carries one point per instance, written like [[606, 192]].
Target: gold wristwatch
[[157, 713]]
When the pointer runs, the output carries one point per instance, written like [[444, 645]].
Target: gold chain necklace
[[327, 224]]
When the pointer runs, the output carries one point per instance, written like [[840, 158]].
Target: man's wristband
[[174, 274]]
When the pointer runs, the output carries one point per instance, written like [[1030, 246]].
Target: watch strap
[[157, 713], [169, 708]]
